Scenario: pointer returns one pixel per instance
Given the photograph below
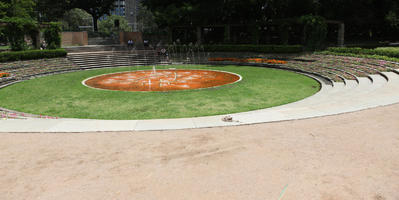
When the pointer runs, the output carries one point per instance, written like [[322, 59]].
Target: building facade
[[129, 9], [120, 6]]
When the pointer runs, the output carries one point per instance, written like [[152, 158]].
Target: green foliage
[[22, 9], [254, 48], [3, 9], [31, 55], [3, 36], [146, 20], [107, 26], [361, 17], [16, 29], [18, 15], [314, 31], [75, 18], [389, 52], [359, 55], [53, 10], [368, 45], [52, 35], [393, 19], [96, 8]]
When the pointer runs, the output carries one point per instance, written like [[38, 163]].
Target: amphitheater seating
[[22, 70], [89, 60], [350, 81]]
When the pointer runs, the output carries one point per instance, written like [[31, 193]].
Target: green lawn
[[4, 47], [393, 49], [64, 95]]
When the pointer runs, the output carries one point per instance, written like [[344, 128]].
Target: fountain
[[154, 70], [166, 79]]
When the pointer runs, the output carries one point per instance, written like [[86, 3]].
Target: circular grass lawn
[[65, 96]]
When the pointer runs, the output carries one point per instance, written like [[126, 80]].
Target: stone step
[[115, 58]]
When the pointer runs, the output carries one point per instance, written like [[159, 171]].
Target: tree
[[146, 20], [4, 6], [17, 8], [19, 17], [75, 18], [52, 35], [364, 19], [393, 19], [52, 10], [314, 31], [107, 26], [96, 8]]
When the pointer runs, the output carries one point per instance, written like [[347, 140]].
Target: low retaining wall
[[74, 38], [137, 38]]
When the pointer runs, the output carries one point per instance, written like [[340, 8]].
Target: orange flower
[[4, 74], [250, 60]]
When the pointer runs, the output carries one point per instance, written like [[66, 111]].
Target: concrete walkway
[[331, 100]]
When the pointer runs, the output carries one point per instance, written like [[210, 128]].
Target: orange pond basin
[[162, 80]]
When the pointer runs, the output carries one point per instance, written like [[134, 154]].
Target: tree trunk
[[227, 34], [341, 34], [199, 35], [95, 24], [170, 35]]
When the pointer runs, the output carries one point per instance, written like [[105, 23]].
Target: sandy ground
[[352, 156]]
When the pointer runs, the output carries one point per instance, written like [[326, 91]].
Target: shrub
[[389, 52], [16, 29], [52, 35], [3, 37], [360, 56], [314, 31], [31, 55]]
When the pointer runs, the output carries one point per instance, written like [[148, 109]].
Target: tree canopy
[[96, 8], [52, 10], [367, 17]]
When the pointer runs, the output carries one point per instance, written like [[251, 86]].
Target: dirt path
[[346, 157]]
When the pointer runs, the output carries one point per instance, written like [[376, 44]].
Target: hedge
[[255, 48], [243, 48], [379, 52], [31, 55], [378, 57]]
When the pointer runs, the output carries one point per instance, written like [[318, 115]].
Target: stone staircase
[[102, 59], [95, 48], [103, 41], [25, 70]]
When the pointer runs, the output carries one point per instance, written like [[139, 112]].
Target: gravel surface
[[352, 156]]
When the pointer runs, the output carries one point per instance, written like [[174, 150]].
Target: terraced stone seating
[[89, 60], [6, 80], [341, 69], [22, 70]]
